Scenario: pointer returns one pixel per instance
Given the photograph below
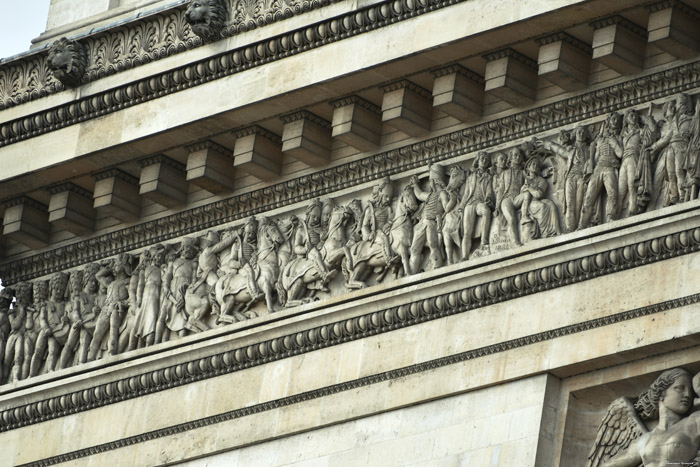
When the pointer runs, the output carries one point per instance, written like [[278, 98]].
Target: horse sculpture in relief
[[251, 271], [317, 256]]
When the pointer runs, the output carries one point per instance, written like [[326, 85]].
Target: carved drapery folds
[[631, 162]]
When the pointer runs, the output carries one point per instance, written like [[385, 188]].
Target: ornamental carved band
[[627, 164]]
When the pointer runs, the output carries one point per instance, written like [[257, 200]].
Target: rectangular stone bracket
[[511, 76], [564, 61], [674, 27], [458, 92], [258, 152], [307, 138], [357, 123], [407, 107], [619, 44], [27, 222], [163, 181], [117, 195], [71, 208], [210, 166]]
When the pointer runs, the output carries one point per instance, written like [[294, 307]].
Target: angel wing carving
[[620, 426]]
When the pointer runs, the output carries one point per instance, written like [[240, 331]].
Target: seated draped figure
[[625, 440]]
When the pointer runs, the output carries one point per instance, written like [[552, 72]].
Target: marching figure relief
[[626, 439], [628, 164]]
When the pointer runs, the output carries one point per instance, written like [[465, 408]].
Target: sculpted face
[[206, 17], [679, 397], [67, 61], [501, 161], [515, 158]]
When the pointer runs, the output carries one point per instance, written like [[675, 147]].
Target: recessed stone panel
[[307, 138], [26, 221], [258, 152], [511, 76], [619, 44], [564, 61], [407, 107], [357, 123], [71, 208], [210, 166], [458, 92]]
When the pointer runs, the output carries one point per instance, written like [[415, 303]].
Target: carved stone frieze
[[408, 314], [141, 41], [501, 200], [394, 162]]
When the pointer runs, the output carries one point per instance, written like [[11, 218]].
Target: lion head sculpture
[[206, 17], [67, 61]]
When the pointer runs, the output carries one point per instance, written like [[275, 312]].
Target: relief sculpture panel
[[627, 164], [660, 427]]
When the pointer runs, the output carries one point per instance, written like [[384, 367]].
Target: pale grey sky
[[20, 22]]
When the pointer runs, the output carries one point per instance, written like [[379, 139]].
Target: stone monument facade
[[405, 232]]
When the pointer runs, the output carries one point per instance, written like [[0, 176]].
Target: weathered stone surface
[[71, 208], [163, 180], [27, 222], [564, 60], [511, 76], [458, 92], [674, 27], [619, 44], [307, 137], [258, 152], [117, 195], [357, 123], [407, 107], [210, 166]]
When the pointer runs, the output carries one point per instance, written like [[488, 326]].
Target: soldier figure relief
[[402, 226]]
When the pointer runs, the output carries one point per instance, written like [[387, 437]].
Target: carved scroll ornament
[[142, 41]]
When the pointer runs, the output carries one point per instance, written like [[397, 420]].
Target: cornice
[[406, 84], [354, 99], [565, 37], [256, 130], [25, 200], [207, 144], [565, 112], [666, 4], [141, 40], [161, 159], [211, 68], [72, 187], [382, 321], [510, 53], [305, 115], [617, 19], [459, 69], [116, 173]]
